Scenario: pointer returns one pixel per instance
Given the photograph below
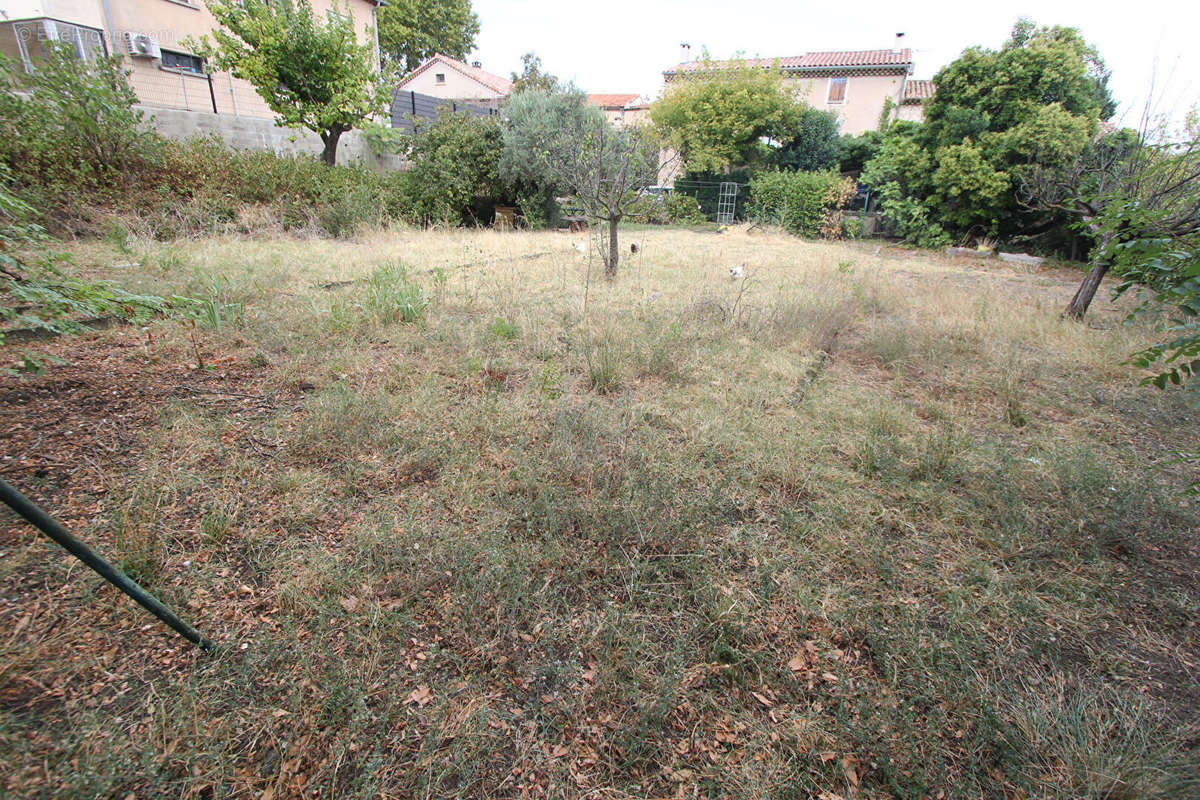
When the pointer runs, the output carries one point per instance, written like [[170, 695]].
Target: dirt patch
[[75, 427]]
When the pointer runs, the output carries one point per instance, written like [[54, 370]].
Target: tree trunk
[[1087, 290], [330, 138], [1091, 282], [614, 254]]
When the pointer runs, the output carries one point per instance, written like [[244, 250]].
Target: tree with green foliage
[[718, 117], [411, 31], [998, 114], [532, 77], [815, 147], [454, 176], [69, 131], [1139, 201], [555, 139], [310, 73], [855, 151]]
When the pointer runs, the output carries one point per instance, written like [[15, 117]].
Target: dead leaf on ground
[[420, 695]]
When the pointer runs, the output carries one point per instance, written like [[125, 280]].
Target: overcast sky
[[624, 45]]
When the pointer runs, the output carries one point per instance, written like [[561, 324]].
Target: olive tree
[[555, 140], [311, 74]]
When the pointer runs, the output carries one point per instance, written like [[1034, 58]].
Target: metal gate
[[727, 203]]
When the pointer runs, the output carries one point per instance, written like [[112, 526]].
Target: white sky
[[624, 45]]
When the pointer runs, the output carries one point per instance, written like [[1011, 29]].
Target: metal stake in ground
[[52, 528]]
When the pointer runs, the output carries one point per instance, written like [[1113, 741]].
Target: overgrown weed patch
[[664, 537]]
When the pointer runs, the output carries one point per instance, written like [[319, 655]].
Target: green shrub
[[69, 133], [683, 209], [803, 203], [852, 227], [454, 176], [909, 218], [648, 209]]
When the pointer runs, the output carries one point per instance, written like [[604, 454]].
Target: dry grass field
[[865, 523]]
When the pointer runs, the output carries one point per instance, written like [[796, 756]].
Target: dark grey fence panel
[[407, 106]]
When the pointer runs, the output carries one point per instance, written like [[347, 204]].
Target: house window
[[335, 17], [439, 78], [34, 38], [184, 62], [837, 90]]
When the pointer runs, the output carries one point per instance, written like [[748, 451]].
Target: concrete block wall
[[256, 133]]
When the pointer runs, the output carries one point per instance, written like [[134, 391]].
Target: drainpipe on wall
[[375, 26], [112, 30]]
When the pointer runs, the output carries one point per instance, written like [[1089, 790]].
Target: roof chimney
[[477, 64], [899, 41], [685, 53]]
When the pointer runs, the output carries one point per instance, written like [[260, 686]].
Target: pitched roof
[[612, 100], [822, 61], [493, 82], [915, 91]]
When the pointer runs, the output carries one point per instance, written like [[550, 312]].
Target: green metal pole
[[52, 528]]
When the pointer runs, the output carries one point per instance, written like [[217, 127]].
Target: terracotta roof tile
[[915, 91], [612, 100], [823, 60]]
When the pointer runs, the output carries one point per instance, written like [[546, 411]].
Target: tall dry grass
[[865, 522]]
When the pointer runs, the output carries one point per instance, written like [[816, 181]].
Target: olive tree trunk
[[614, 253]]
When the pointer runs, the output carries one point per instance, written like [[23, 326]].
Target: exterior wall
[[170, 22], [252, 133], [81, 12], [865, 96], [671, 167], [456, 87], [912, 112], [8, 44], [621, 117]]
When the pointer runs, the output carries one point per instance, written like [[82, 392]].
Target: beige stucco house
[[451, 79], [857, 85], [622, 109], [149, 36], [912, 106]]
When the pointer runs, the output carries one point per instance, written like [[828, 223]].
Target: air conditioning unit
[[142, 45]]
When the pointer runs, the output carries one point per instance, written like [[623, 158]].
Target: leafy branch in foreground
[[35, 293], [1166, 274], [1173, 275]]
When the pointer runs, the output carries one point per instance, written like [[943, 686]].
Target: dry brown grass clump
[[860, 523]]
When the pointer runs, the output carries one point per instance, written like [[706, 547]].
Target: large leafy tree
[[410, 31], [816, 147], [718, 117], [533, 76], [1140, 202], [997, 115], [311, 73]]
